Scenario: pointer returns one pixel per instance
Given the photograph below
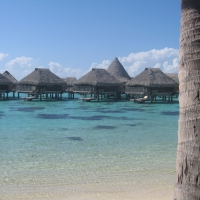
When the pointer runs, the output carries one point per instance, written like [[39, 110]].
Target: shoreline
[[87, 193]]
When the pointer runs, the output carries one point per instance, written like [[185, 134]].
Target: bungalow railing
[[135, 90], [6, 87], [86, 89], [42, 89], [70, 89], [28, 88], [162, 90]]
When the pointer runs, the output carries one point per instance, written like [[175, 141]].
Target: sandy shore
[[63, 193], [165, 194]]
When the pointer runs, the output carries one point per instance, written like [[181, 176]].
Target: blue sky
[[72, 36]]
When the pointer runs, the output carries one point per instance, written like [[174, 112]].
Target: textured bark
[[187, 186]]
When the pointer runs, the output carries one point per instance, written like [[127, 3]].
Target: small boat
[[30, 98], [87, 99], [140, 100], [34, 95]]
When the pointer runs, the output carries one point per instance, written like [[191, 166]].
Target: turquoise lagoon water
[[57, 149]]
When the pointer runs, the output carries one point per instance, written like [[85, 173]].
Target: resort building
[[70, 86], [12, 79], [152, 82], [41, 83], [5, 87], [117, 70], [173, 76], [98, 83]]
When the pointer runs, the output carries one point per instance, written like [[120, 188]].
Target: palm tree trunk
[[187, 186]]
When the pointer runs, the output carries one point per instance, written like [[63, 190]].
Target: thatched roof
[[173, 76], [42, 76], [70, 80], [152, 77], [5, 81], [10, 77], [98, 77], [117, 70]]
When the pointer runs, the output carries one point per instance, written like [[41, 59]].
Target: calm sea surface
[[60, 148]]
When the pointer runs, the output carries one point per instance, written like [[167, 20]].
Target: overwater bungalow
[[5, 87], [41, 83], [173, 76], [12, 79], [70, 86], [117, 70], [98, 83], [152, 82]]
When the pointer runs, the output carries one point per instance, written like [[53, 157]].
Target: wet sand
[[77, 193]]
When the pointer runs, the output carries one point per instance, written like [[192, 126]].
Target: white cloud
[[157, 65], [3, 56], [135, 67], [20, 61], [20, 66], [63, 72], [166, 59], [171, 68], [103, 65]]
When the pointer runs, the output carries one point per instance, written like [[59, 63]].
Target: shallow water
[[61, 148]]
